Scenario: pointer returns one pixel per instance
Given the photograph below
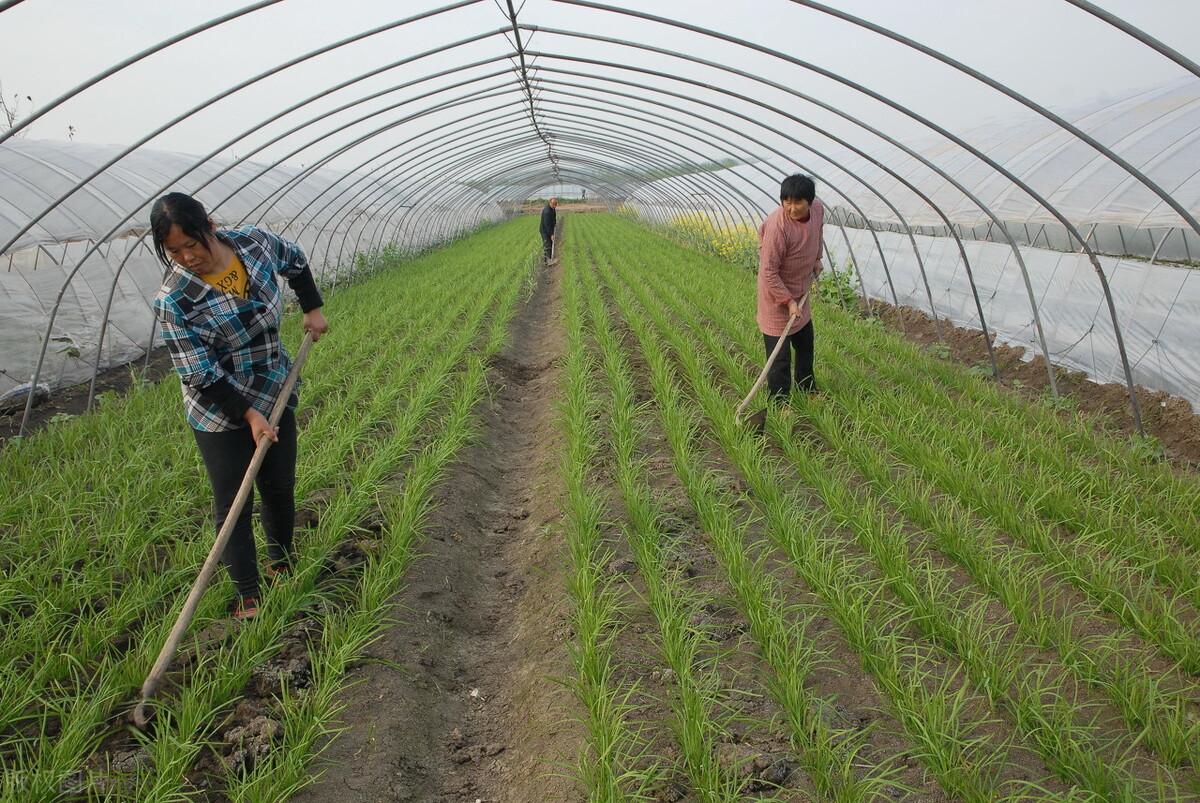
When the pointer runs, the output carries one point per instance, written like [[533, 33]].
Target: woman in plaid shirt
[[219, 309]]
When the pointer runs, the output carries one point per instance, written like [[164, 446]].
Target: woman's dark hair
[[183, 211], [798, 187]]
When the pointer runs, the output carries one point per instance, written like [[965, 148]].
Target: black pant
[[547, 245], [779, 378], [226, 456]]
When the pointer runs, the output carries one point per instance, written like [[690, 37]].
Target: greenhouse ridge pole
[[520, 45]]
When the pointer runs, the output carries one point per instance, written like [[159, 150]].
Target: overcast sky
[[1048, 49]]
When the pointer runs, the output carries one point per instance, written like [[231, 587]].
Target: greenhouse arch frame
[[642, 130]]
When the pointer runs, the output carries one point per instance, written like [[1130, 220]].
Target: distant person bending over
[[549, 219], [219, 309], [789, 262]]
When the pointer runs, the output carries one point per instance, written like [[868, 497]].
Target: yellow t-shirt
[[233, 280]]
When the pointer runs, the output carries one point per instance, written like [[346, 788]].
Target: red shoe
[[277, 572], [245, 608]]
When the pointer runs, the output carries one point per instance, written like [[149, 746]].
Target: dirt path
[[462, 700]]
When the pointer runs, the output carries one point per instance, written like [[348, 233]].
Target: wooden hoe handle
[[154, 679], [741, 408]]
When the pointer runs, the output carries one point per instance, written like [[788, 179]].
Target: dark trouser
[[779, 378], [547, 245], [226, 456]]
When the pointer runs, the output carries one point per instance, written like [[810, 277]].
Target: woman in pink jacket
[[789, 262]]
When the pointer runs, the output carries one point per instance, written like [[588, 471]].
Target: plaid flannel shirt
[[213, 335]]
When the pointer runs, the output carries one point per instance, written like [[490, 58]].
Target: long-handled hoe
[[141, 714], [759, 418]]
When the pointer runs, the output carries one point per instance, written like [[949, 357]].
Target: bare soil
[[462, 699]]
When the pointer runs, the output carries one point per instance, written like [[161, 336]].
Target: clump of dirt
[[244, 738], [346, 556], [250, 742], [309, 511], [252, 729], [761, 772], [1168, 418], [290, 669], [119, 773]]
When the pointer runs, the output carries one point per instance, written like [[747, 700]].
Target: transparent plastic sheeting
[[1158, 131], [33, 173], [1158, 306]]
